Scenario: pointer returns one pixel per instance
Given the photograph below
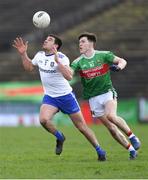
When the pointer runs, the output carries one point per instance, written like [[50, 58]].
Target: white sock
[[132, 135], [131, 148]]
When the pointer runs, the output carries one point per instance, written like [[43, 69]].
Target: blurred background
[[121, 27]]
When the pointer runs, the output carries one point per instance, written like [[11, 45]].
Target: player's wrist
[[57, 60], [56, 57], [115, 67], [24, 53]]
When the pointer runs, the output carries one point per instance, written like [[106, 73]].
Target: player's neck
[[89, 53], [48, 53]]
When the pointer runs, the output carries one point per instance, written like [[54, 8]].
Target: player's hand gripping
[[115, 68], [20, 45]]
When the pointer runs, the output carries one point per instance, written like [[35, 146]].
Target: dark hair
[[58, 41], [90, 36]]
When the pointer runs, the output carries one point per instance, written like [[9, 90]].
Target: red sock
[[129, 133], [128, 146]]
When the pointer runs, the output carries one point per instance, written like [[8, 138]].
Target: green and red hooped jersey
[[95, 73]]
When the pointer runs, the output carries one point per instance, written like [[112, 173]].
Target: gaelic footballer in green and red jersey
[[95, 73]]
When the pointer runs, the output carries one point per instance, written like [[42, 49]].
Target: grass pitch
[[29, 153]]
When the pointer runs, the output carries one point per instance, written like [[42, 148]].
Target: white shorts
[[97, 103]]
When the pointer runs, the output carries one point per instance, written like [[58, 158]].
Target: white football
[[41, 19]]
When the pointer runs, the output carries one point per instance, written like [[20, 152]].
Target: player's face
[[84, 45], [49, 43]]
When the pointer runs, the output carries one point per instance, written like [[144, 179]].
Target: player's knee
[[111, 117], [43, 120]]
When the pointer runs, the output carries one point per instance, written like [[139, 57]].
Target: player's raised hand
[[55, 52], [20, 45]]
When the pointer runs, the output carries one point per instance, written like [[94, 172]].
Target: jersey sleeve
[[35, 60], [63, 59], [75, 65], [109, 57]]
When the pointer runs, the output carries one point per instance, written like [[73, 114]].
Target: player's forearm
[[65, 70], [26, 62]]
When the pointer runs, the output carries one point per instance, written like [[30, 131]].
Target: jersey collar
[[90, 56], [49, 54]]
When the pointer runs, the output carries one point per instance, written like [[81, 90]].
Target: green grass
[[29, 153]]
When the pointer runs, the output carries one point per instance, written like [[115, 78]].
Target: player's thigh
[[77, 119], [111, 107], [47, 111]]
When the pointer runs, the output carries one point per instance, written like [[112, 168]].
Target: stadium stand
[[121, 26], [16, 15], [21, 25]]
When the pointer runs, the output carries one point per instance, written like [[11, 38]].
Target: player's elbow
[[69, 77], [124, 62]]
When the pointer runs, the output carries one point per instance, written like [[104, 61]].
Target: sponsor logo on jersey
[[94, 72], [47, 71]]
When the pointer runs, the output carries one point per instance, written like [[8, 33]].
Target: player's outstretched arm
[[21, 47]]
